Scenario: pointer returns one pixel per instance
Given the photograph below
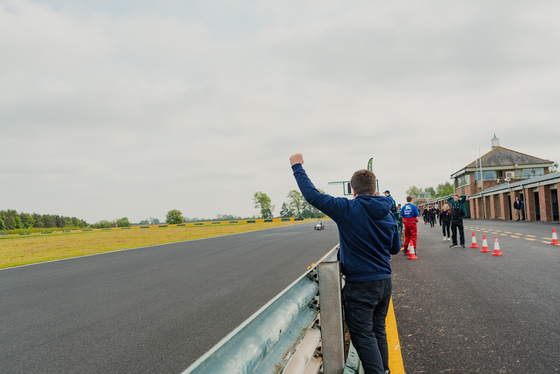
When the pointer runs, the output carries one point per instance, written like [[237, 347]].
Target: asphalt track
[[462, 311], [147, 310]]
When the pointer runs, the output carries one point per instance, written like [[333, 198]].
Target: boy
[[368, 236], [457, 213], [409, 212], [445, 222]]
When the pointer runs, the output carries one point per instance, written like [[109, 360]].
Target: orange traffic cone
[[496, 248], [412, 255], [408, 249], [554, 237], [474, 244], [484, 244]]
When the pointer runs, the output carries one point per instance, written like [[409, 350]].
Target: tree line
[[12, 220]]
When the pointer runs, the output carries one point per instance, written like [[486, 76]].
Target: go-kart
[[319, 226]]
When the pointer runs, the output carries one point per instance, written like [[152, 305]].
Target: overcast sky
[[131, 108]]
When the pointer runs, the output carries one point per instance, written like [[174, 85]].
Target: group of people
[[430, 215], [450, 219]]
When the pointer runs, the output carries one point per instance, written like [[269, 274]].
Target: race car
[[319, 226]]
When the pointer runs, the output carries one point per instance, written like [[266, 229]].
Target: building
[[499, 166], [492, 182], [539, 195]]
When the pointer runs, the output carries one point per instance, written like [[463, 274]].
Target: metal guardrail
[[285, 335]]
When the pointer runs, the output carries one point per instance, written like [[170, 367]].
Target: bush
[[174, 216]]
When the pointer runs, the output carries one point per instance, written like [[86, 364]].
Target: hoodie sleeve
[[325, 203], [462, 205]]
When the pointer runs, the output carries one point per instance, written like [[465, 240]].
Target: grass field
[[24, 250]]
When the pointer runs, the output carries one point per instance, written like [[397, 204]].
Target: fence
[[298, 331]]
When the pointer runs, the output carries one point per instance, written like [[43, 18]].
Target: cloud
[[133, 109]]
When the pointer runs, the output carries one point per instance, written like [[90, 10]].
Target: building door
[[554, 200], [537, 207]]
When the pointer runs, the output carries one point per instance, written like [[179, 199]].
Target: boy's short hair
[[363, 182], [408, 199]]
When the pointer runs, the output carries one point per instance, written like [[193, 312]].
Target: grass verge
[[24, 250]]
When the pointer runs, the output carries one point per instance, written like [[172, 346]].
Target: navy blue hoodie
[[367, 230]]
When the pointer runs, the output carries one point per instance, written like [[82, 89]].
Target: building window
[[463, 180], [529, 173], [487, 175]]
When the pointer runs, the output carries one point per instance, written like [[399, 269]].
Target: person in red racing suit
[[409, 213]]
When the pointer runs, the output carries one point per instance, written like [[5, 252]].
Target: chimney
[[495, 142]]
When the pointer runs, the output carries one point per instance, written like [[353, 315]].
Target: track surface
[[147, 310], [462, 311]]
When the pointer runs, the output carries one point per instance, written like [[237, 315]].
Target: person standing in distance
[[388, 194], [517, 205], [457, 213], [368, 236], [445, 222], [409, 213]]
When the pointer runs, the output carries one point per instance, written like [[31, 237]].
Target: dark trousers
[[432, 220], [365, 309], [457, 224], [446, 226]]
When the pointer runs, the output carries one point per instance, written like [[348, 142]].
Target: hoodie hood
[[375, 207]]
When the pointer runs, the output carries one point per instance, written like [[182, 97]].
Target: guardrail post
[[330, 301]]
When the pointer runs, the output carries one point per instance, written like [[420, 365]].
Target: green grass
[[24, 250]]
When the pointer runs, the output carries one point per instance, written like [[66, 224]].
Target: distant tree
[[104, 224], [150, 221], [38, 220], [430, 191], [444, 189], [60, 221], [296, 203], [414, 192], [17, 223], [309, 211], [76, 222], [264, 203], [2, 225], [48, 221], [11, 219], [123, 222], [27, 220], [285, 211], [174, 216]]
